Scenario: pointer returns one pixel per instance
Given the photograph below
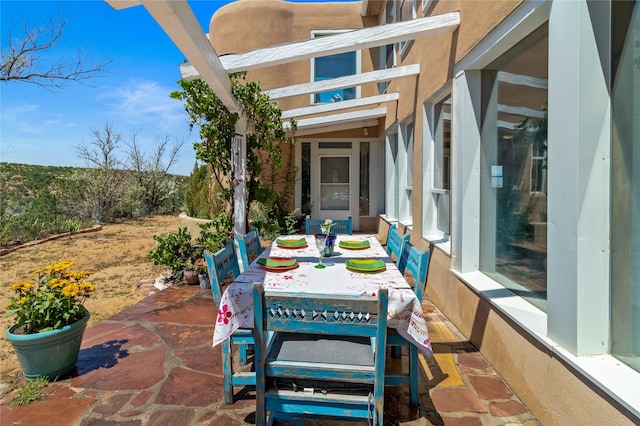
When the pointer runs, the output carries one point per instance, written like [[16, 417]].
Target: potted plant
[[50, 320], [203, 273], [175, 251]]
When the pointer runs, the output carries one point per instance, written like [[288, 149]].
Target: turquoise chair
[[395, 242], [319, 355], [221, 264], [340, 226], [248, 245], [416, 262]]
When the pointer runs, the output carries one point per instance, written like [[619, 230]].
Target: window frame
[[430, 226], [575, 328], [312, 65]]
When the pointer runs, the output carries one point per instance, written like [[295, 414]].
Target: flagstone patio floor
[[153, 364]]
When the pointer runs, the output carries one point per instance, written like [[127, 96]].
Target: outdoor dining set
[[318, 322]]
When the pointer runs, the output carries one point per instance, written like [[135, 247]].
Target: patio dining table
[[404, 312]]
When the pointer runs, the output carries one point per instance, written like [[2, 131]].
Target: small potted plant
[[175, 251], [50, 320], [203, 273]]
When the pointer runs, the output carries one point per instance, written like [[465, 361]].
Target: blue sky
[[41, 126]]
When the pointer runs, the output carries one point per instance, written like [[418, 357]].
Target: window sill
[[439, 241], [613, 377]]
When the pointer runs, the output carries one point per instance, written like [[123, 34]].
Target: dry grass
[[117, 256]]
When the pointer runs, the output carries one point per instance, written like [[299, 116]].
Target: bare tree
[[152, 172], [24, 59], [107, 182], [101, 152]]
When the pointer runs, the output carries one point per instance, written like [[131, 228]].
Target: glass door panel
[[335, 185]]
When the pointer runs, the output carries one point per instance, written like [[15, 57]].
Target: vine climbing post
[[238, 162]]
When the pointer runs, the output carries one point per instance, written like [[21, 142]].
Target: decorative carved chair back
[[340, 226], [395, 242], [248, 245], [220, 264]]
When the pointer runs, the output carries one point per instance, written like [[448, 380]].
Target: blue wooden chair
[[416, 262], [325, 356], [221, 264], [340, 226], [395, 241], [248, 245]]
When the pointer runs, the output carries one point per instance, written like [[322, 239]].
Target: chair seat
[[318, 348]]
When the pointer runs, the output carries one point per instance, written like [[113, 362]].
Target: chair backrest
[[248, 244], [305, 316], [340, 226], [220, 264], [416, 262], [395, 241]]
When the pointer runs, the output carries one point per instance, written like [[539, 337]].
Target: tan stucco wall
[[549, 387]]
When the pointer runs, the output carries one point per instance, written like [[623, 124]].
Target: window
[[441, 165], [333, 66], [388, 52], [405, 166], [625, 170], [365, 184], [305, 171], [436, 168], [513, 206], [407, 13], [391, 176]]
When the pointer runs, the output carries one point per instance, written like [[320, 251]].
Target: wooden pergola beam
[[177, 20], [338, 43]]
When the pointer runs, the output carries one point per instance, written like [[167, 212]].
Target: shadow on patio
[[153, 364]]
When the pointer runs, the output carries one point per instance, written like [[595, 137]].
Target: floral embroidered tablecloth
[[404, 311]]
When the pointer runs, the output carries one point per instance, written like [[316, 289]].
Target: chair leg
[[227, 370], [414, 373], [243, 354]]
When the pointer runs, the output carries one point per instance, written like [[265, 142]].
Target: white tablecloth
[[405, 310]]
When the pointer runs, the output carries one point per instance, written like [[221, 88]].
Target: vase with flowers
[[330, 239], [50, 320]]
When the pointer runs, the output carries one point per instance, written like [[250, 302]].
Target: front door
[[333, 186]]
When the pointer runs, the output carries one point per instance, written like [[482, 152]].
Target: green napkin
[[354, 243], [299, 242], [276, 262], [366, 264]]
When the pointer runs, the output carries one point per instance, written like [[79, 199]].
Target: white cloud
[[145, 102], [23, 117]]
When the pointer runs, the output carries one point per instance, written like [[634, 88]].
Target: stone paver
[[153, 364]]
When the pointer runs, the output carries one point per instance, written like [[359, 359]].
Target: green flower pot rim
[[24, 337]]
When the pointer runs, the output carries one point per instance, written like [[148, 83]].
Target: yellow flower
[[87, 287], [21, 286], [23, 300], [71, 290]]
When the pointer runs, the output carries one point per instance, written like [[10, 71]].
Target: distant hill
[[39, 200]]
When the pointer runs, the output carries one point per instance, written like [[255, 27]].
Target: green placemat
[[367, 265], [297, 242], [274, 262], [354, 243]]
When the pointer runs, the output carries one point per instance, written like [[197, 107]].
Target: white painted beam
[[342, 82], [338, 43], [177, 20], [338, 119], [337, 127], [123, 4], [337, 106]]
